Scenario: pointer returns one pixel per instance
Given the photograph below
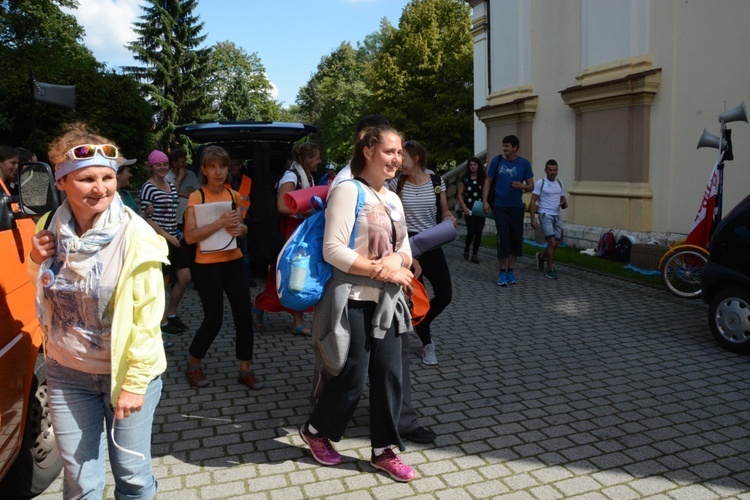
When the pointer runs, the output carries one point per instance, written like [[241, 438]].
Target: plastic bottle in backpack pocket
[[299, 269]]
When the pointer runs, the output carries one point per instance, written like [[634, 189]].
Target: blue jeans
[[81, 414]]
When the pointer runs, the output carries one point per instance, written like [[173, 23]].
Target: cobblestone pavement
[[583, 387]]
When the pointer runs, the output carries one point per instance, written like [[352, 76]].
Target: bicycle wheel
[[682, 269]]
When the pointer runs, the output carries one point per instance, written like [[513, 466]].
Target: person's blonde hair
[[75, 134], [304, 150]]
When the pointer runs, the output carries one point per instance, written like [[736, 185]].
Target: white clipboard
[[221, 240]]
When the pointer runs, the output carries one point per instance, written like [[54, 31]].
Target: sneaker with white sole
[[502, 279], [322, 450], [392, 464], [511, 278], [551, 274], [428, 354]]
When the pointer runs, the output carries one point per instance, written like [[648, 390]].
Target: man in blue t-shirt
[[510, 175]]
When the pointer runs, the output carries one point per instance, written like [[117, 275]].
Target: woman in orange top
[[219, 272]]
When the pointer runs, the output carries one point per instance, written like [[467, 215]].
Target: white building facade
[[618, 92]]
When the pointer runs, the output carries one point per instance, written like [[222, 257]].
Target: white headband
[[68, 166]]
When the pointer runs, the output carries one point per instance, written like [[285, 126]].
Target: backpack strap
[[541, 189], [299, 179], [234, 198], [202, 197], [437, 184], [48, 218], [360, 204]]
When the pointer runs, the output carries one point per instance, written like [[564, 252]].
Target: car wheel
[[39, 461], [729, 318]]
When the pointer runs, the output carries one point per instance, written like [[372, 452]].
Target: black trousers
[[435, 269], [474, 228], [380, 359], [212, 281]]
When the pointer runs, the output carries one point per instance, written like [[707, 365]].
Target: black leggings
[[211, 281], [474, 228], [435, 269]]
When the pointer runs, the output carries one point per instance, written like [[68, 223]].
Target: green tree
[[237, 86], [334, 99], [422, 78], [37, 35], [174, 68]]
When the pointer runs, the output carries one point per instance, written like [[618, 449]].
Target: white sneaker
[[428, 354]]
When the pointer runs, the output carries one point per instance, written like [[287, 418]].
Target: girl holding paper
[[219, 271]]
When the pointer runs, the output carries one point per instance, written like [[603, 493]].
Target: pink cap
[[157, 156]]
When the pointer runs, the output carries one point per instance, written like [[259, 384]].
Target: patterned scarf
[[79, 254]]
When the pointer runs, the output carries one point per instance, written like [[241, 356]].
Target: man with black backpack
[[548, 197]]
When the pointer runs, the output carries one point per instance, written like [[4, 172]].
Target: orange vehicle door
[[19, 336]]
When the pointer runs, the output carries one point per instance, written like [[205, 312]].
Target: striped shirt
[[165, 206], [420, 209]]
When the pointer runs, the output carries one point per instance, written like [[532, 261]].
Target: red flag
[[700, 232]]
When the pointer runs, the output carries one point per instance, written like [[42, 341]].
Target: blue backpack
[[301, 270]]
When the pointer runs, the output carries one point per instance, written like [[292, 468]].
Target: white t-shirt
[[549, 196], [343, 175]]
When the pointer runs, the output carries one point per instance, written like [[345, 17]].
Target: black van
[[265, 147], [726, 280]]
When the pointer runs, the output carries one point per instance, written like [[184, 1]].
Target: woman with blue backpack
[[359, 320]]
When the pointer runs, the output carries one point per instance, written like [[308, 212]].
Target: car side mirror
[[37, 192]]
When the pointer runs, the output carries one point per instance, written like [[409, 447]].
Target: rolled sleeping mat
[[477, 210], [429, 239], [299, 201]]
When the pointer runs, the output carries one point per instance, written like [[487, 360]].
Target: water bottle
[[300, 267]]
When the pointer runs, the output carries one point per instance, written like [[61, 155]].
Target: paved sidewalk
[[582, 387]]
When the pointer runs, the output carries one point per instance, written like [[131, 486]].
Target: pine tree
[[174, 68]]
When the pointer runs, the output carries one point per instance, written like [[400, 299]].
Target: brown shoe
[[195, 376], [249, 379]]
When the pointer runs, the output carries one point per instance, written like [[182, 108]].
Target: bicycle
[[682, 265]]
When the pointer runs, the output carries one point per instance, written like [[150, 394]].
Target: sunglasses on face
[[86, 151]]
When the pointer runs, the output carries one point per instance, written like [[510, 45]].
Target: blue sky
[[289, 36]]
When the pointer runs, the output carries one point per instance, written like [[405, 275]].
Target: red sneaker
[[321, 447], [392, 464]]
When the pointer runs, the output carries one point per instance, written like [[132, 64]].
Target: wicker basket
[[647, 257]]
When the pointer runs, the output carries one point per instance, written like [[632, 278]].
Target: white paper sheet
[[206, 213]]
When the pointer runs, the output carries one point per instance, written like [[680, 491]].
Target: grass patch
[[572, 257]]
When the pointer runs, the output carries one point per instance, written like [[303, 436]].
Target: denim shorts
[[551, 225]]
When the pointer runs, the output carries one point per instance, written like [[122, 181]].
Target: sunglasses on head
[[86, 151]]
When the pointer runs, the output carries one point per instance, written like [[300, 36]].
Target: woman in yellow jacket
[[100, 297]]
